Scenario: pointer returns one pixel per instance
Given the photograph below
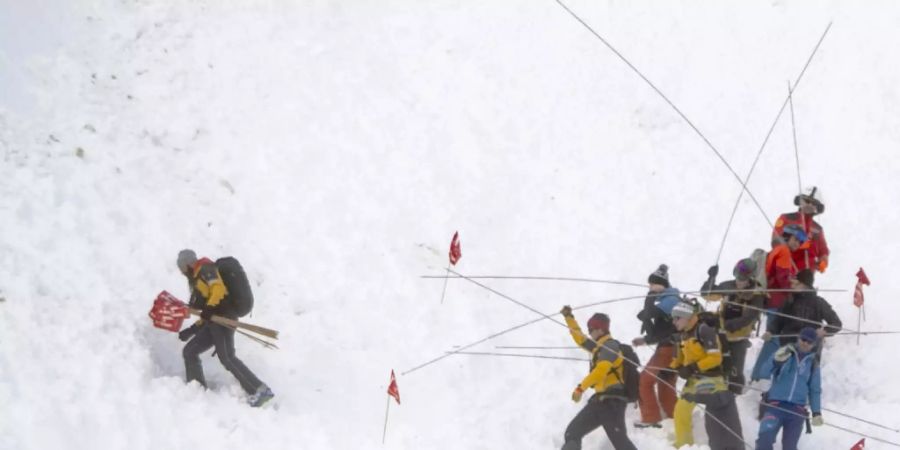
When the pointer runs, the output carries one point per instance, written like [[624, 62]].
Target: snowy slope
[[334, 147]]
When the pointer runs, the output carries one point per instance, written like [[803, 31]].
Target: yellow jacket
[[606, 359], [699, 345], [207, 287]]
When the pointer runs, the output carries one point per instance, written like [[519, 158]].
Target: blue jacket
[[656, 319], [667, 300], [795, 380]]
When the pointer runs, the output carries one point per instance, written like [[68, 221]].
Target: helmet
[[683, 309], [814, 195], [186, 258], [795, 231]]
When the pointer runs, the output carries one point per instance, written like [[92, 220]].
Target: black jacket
[[806, 305], [735, 318], [656, 325]]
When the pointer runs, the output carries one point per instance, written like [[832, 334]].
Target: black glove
[[690, 397], [566, 311], [713, 271], [687, 371], [207, 314], [187, 333]]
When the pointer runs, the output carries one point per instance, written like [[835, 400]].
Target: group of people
[[707, 349]]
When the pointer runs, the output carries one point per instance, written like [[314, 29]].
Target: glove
[[817, 420], [638, 341], [823, 264], [576, 394], [687, 371], [766, 336], [187, 333], [689, 397], [713, 271], [566, 311], [782, 354], [206, 314]]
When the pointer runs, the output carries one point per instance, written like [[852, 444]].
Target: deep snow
[[334, 147]]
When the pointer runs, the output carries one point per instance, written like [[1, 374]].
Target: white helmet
[[814, 195]]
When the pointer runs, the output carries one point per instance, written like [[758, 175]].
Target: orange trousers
[[649, 384]]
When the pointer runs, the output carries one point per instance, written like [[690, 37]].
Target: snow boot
[[262, 395]]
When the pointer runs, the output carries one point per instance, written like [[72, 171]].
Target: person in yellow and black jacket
[[606, 406], [699, 361], [738, 315], [209, 294]]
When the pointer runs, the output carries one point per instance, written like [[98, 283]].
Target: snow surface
[[334, 147]]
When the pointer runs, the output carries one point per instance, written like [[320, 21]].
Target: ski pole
[[762, 147], [537, 278], [514, 347], [521, 325], [669, 102], [567, 358], [823, 409], [780, 314], [799, 182], [264, 342]]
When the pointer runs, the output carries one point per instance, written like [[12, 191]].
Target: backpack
[[711, 319], [240, 298], [630, 375]]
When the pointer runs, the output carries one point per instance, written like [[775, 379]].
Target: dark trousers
[[723, 424], [608, 412], [222, 338], [790, 425], [736, 374]]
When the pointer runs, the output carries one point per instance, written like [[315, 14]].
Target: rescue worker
[[807, 305], [813, 254], [209, 294], [606, 406], [657, 328], [780, 270], [796, 383], [738, 314], [699, 361]]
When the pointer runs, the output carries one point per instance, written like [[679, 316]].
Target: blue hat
[[809, 334]]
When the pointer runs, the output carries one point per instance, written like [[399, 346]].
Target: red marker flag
[[858, 298], [861, 445], [455, 250], [393, 390]]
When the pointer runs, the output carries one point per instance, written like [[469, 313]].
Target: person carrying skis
[[209, 294], [738, 313], [780, 270], [796, 383], [657, 328], [805, 309], [813, 254], [699, 361], [606, 406]]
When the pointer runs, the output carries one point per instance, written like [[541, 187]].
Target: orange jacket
[[780, 268], [812, 253]]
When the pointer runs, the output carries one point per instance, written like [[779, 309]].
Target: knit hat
[[744, 269], [806, 277], [660, 276], [598, 321], [808, 334], [186, 258], [682, 309]]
